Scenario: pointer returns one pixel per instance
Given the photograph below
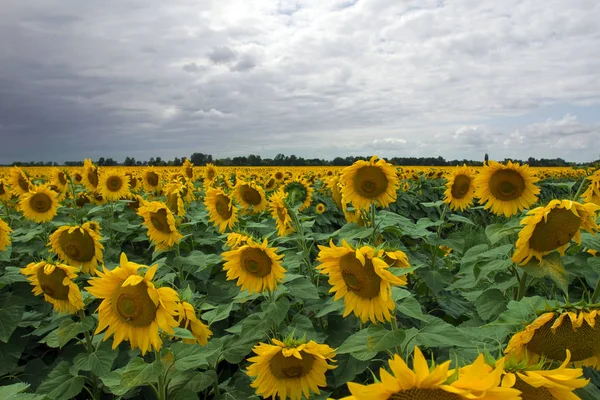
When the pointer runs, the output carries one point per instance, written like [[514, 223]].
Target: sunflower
[[298, 191], [90, 175], [506, 189], [210, 173], [174, 199], [5, 193], [257, 267], [235, 240], [220, 208], [270, 183], [477, 381], [334, 185], [98, 198], [555, 332], [4, 235], [279, 176], [160, 222], [19, 181], [250, 196], [78, 246], [39, 204], [133, 309], [290, 369], [396, 259], [537, 382], [592, 193], [133, 180], [82, 199], [362, 278], [188, 169], [188, 320], [460, 188], [320, 208], [366, 182], [55, 281], [151, 180], [552, 227], [60, 180], [280, 213], [113, 184]]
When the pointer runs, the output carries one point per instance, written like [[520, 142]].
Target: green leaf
[[11, 313], [331, 306], [11, 390], [113, 382], [60, 384], [411, 308], [438, 333], [237, 348], [199, 259], [276, 312], [69, 329], [490, 304], [366, 343], [551, 267], [218, 314], [195, 381], [190, 356], [99, 362], [140, 373], [460, 218], [303, 289]]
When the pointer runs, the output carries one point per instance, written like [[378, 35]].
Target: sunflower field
[[365, 282]]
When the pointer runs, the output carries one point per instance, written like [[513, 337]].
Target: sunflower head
[[187, 319], [298, 191], [55, 282], [90, 175], [113, 184], [5, 231], [133, 309], [19, 181], [151, 180], [160, 222], [320, 208], [256, 267], [79, 246], [460, 188], [221, 210], [280, 213], [366, 182], [250, 196], [210, 172], [235, 240], [290, 369], [39, 204]]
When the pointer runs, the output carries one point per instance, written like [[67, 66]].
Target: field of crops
[[365, 282]]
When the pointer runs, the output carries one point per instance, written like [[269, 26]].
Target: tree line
[[253, 160]]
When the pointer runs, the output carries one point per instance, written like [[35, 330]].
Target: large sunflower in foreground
[[506, 189], [291, 369], [19, 181], [366, 182], [78, 246], [257, 267], [221, 210], [552, 227], [539, 381], [160, 222], [55, 281], [4, 235], [39, 204], [133, 308], [361, 277], [187, 319], [438, 383], [280, 213], [460, 188], [113, 184], [250, 196], [555, 332], [89, 175]]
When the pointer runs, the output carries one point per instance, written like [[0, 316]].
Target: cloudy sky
[[315, 78]]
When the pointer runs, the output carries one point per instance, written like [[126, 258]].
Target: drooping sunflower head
[[113, 184], [333, 184], [133, 180], [55, 281], [270, 183], [460, 188], [280, 213], [506, 189], [366, 182], [541, 381], [551, 228], [160, 222], [235, 240], [5, 192], [257, 267], [320, 208], [19, 181], [78, 246], [555, 332], [188, 320], [174, 199], [90, 175], [361, 278], [188, 169], [290, 369], [298, 191], [82, 199], [60, 179], [151, 180], [40, 204], [221, 210], [592, 192], [133, 309], [250, 196], [210, 172], [5, 231]]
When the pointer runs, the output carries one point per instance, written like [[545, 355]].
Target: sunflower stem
[[596, 293], [394, 324], [7, 210], [374, 234], [522, 286], [90, 350], [579, 190], [162, 387]]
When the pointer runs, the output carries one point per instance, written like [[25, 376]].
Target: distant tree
[[100, 162], [151, 161], [200, 158], [129, 161]]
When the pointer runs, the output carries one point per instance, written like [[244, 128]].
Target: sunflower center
[[40, 202], [2, 191], [250, 195], [52, 284], [114, 183], [507, 185], [152, 178], [23, 183], [82, 200], [189, 172], [584, 342], [159, 220], [529, 392], [370, 182], [93, 177], [281, 213], [132, 180], [210, 174], [172, 201], [278, 175], [222, 206], [77, 246], [424, 394], [62, 178], [556, 231], [362, 280], [133, 305], [461, 186], [256, 262], [283, 367], [78, 177]]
